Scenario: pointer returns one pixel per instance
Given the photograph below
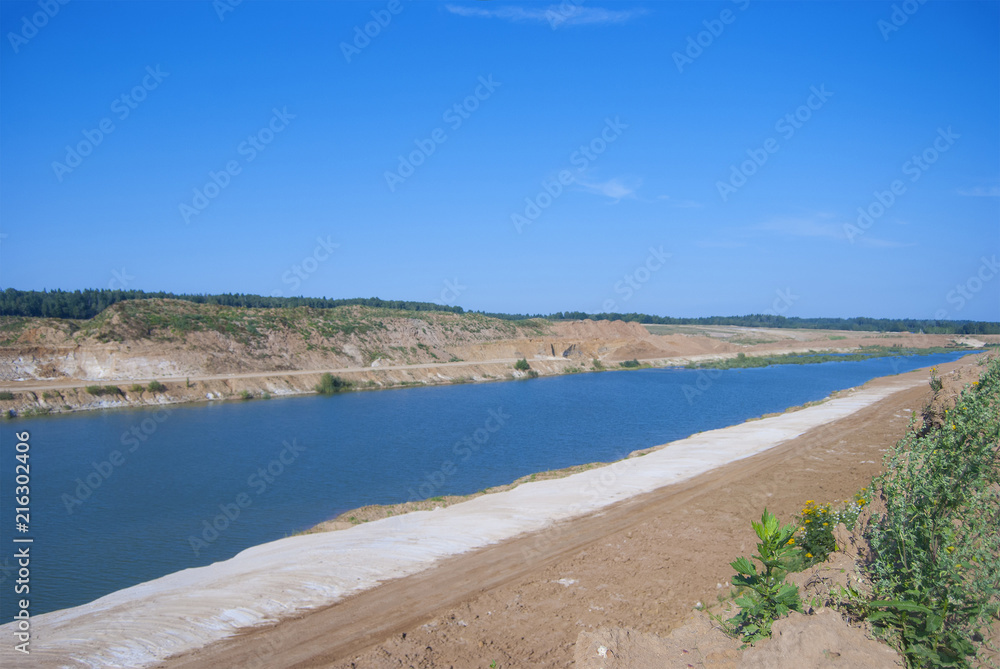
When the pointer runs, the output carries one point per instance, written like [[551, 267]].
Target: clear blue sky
[[661, 213]]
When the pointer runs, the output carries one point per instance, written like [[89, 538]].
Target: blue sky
[[674, 158]]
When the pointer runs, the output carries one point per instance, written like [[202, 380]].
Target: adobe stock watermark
[[454, 116], [121, 107], [120, 280], [223, 7], [581, 159], [248, 149], [381, 18], [633, 281], [566, 10], [451, 292], [131, 440], [599, 483], [463, 449], [914, 168], [259, 482], [966, 291], [30, 25], [714, 28], [786, 126], [302, 270], [900, 14], [783, 301]]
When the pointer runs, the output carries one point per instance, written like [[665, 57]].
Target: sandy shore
[[183, 612]]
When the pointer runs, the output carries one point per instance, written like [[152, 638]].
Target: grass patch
[[6, 395], [157, 387], [742, 360]]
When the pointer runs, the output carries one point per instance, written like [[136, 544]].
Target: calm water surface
[[125, 496]]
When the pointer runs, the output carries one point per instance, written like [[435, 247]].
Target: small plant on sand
[[522, 365], [767, 597], [936, 383], [136, 388], [156, 387], [6, 395], [246, 395], [598, 365]]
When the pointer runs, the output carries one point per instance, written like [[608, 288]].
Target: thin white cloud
[[616, 189], [553, 15], [980, 191]]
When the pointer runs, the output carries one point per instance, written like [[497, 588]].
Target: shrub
[[934, 566], [104, 390], [522, 365], [265, 395], [767, 597], [330, 384], [630, 364], [246, 395], [136, 388], [6, 395], [598, 365], [157, 387], [936, 383]]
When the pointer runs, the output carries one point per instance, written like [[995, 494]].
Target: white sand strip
[[138, 626]]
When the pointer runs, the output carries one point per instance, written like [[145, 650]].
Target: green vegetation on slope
[[866, 353], [84, 304]]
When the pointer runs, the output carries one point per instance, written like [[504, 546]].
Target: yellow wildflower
[[809, 555]]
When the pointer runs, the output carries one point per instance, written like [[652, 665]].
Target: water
[[120, 497]]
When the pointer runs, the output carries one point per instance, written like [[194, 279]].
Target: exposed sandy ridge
[[184, 611]]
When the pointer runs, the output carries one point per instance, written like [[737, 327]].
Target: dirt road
[[644, 563]]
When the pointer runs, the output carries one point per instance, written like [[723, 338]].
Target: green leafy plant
[[936, 383], [630, 364], [522, 365], [598, 365], [934, 565], [156, 387], [136, 388], [246, 395], [766, 596], [6, 395]]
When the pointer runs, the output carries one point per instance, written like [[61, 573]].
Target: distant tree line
[[863, 324], [82, 304]]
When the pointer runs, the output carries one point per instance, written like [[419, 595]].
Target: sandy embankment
[[182, 612]]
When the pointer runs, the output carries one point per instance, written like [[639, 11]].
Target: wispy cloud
[[616, 189], [554, 15], [980, 191]]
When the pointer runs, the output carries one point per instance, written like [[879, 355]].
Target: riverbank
[[184, 611], [31, 398]]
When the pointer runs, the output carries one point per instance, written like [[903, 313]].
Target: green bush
[[598, 365], [246, 395], [522, 365], [136, 388], [6, 395], [630, 364], [330, 384], [934, 567], [156, 387], [104, 390]]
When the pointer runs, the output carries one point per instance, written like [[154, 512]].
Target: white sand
[[140, 625]]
